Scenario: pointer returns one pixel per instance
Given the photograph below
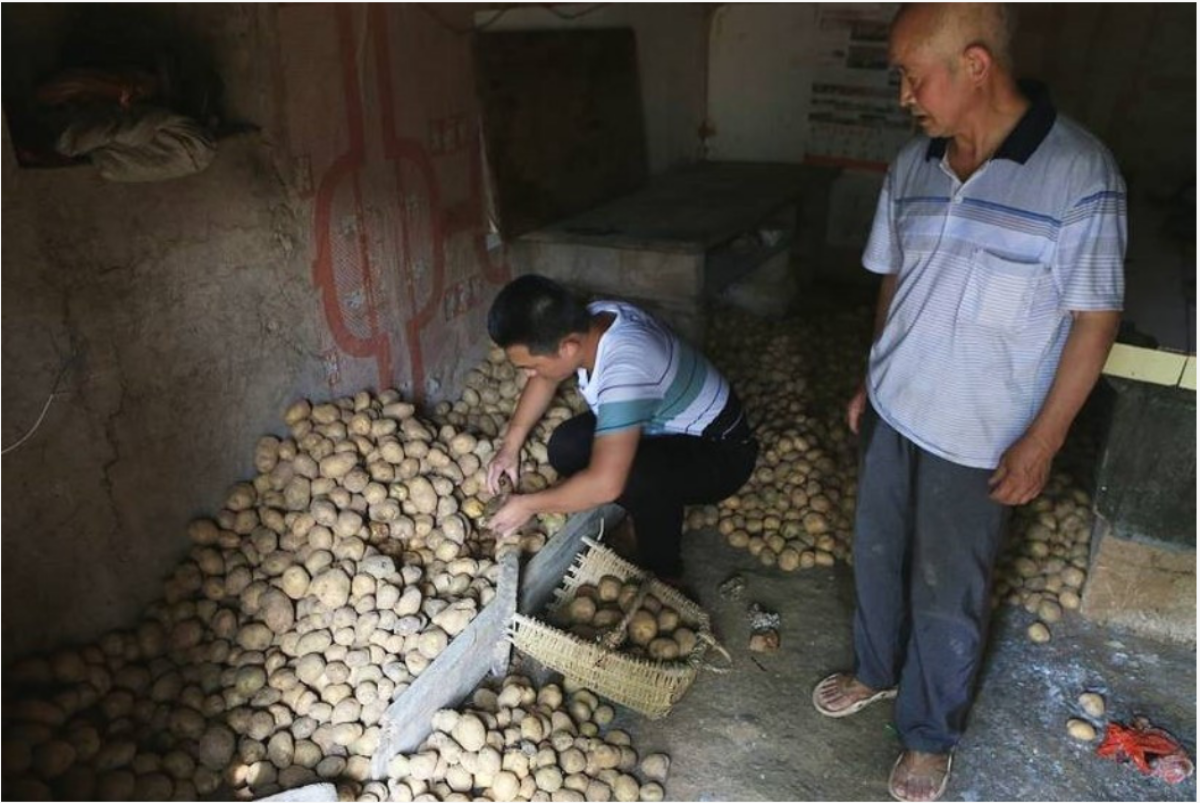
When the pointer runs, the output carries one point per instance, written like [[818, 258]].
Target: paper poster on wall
[[854, 118]]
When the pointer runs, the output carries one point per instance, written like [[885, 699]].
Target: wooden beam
[[459, 669]]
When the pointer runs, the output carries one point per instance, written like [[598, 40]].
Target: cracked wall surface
[[179, 325], [179, 319]]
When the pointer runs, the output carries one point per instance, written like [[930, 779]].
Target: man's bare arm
[[602, 481], [1025, 466], [535, 399]]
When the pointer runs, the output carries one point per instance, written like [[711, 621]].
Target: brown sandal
[[939, 790], [839, 679]]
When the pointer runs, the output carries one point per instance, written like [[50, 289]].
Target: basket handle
[[615, 636], [706, 664]]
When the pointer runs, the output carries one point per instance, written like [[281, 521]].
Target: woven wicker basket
[[648, 686]]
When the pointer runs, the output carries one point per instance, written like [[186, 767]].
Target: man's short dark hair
[[537, 313]]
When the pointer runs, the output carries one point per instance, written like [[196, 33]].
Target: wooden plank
[[1145, 365], [510, 582], [313, 793], [545, 572], [459, 669]]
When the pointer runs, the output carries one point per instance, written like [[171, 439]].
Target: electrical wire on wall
[[54, 391]]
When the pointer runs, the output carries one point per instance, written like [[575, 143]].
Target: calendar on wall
[[854, 117]]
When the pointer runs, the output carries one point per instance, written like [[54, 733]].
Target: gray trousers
[[925, 542]]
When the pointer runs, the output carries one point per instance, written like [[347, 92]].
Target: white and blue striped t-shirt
[[646, 376], [988, 272]]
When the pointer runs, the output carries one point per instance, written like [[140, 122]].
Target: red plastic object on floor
[[1152, 750]]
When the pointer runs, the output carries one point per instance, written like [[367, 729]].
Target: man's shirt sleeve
[[1089, 261], [620, 415], [628, 396], [883, 254]]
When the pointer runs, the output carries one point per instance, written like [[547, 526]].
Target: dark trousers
[[926, 539], [669, 472]]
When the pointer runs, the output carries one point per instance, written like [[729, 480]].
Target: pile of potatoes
[[654, 630], [1045, 561], [521, 742], [795, 377], [313, 598], [488, 401]]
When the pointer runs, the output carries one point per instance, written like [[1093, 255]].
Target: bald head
[[948, 29]]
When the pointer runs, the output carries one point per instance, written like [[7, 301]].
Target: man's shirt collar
[[1028, 134]]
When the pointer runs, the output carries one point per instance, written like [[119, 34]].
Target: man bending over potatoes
[[665, 429]]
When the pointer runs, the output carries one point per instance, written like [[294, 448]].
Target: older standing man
[[1000, 235]]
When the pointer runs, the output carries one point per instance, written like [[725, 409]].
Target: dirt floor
[[752, 734]]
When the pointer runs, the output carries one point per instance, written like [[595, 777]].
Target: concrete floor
[[752, 734]]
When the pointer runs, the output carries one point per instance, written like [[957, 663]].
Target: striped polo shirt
[[646, 376], [988, 272]]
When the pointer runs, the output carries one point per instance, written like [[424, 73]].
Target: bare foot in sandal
[[920, 777], [841, 695]]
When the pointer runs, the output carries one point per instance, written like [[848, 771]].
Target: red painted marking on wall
[[346, 168], [399, 150], [382, 345], [462, 297], [362, 316]]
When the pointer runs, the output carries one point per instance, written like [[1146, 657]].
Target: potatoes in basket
[[605, 611]]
